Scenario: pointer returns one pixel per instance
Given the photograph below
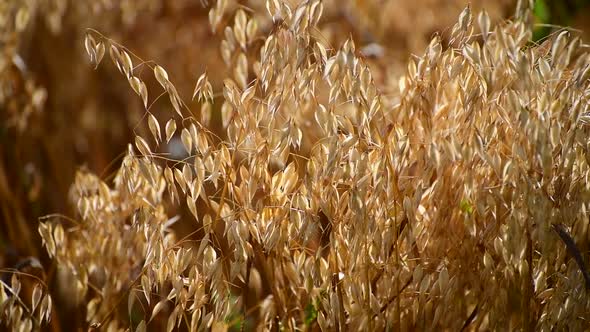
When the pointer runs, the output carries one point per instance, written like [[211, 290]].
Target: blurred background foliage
[[552, 13], [58, 114]]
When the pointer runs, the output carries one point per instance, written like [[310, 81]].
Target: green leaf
[[541, 11], [542, 16], [311, 313], [466, 206]]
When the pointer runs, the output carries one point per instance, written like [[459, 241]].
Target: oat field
[[285, 165]]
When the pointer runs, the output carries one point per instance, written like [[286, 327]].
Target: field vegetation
[[294, 165]]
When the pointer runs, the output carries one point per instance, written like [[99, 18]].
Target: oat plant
[[458, 200]]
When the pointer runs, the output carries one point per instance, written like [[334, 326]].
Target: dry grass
[[455, 197]]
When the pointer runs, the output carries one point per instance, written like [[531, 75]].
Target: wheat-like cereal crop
[[455, 197]]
